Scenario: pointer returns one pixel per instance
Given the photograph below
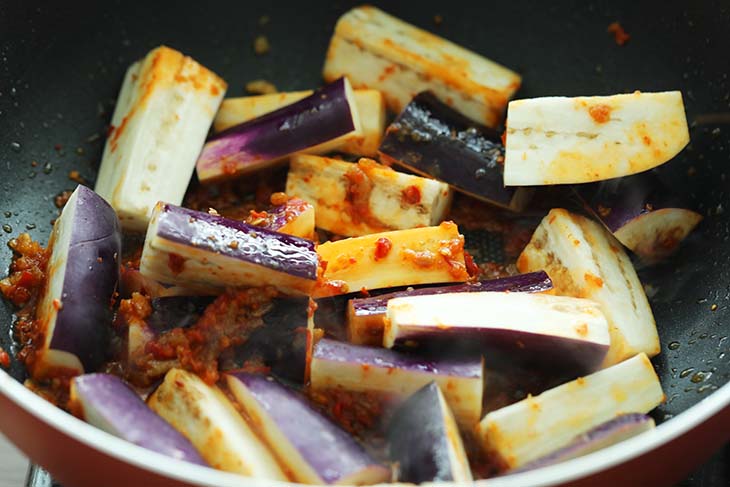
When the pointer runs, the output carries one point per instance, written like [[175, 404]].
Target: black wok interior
[[61, 66]]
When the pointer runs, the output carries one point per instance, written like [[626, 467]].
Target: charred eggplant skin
[[432, 139]]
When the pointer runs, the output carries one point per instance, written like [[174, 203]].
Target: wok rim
[[178, 470]]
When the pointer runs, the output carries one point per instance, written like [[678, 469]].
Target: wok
[[61, 65]]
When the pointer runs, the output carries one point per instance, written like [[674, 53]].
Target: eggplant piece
[[560, 332], [370, 108], [363, 198], [434, 140], [365, 316], [132, 281], [584, 260], [424, 439], [105, 401], [284, 342], [400, 258], [295, 217], [643, 214], [208, 253], [559, 140], [163, 113], [74, 308], [369, 369], [539, 425], [604, 435], [316, 124], [376, 50], [208, 419], [311, 447]]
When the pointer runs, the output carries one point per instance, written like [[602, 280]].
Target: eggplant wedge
[[105, 401], [163, 113], [313, 448], [208, 253], [425, 442], [539, 425], [74, 308], [376, 50], [558, 140], [584, 260], [208, 419], [434, 140], [369, 369]]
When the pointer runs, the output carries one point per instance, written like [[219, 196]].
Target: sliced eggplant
[[163, 113], [363, 198], [294, 217], [74, 309], [536, 426], [558, 140], [604, 435], [370, 108], [584, 260], [376, 50], [365, 316], [556, 331], [208, 419], [369, 369], [312, 448], [642, 213], [433, 139], [208, 253], [106, 402], [316, 124], [425, 442], [399, 258]]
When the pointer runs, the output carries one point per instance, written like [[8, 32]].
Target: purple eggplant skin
[[368, 313], [434, 140], [176, 311], [331, 350], [609, 433], [332, 454], [418, 439], [90, 280], [106, 402], [281, 343], [642, 213], [212, 233], [324, 115]]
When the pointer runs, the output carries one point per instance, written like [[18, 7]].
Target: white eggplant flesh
[[370, 109], [207, 418], [584, 260], [163, 113], [355, 199], [376, 50], [539, 425], [556, 331], [559, 140], [399, 258]]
